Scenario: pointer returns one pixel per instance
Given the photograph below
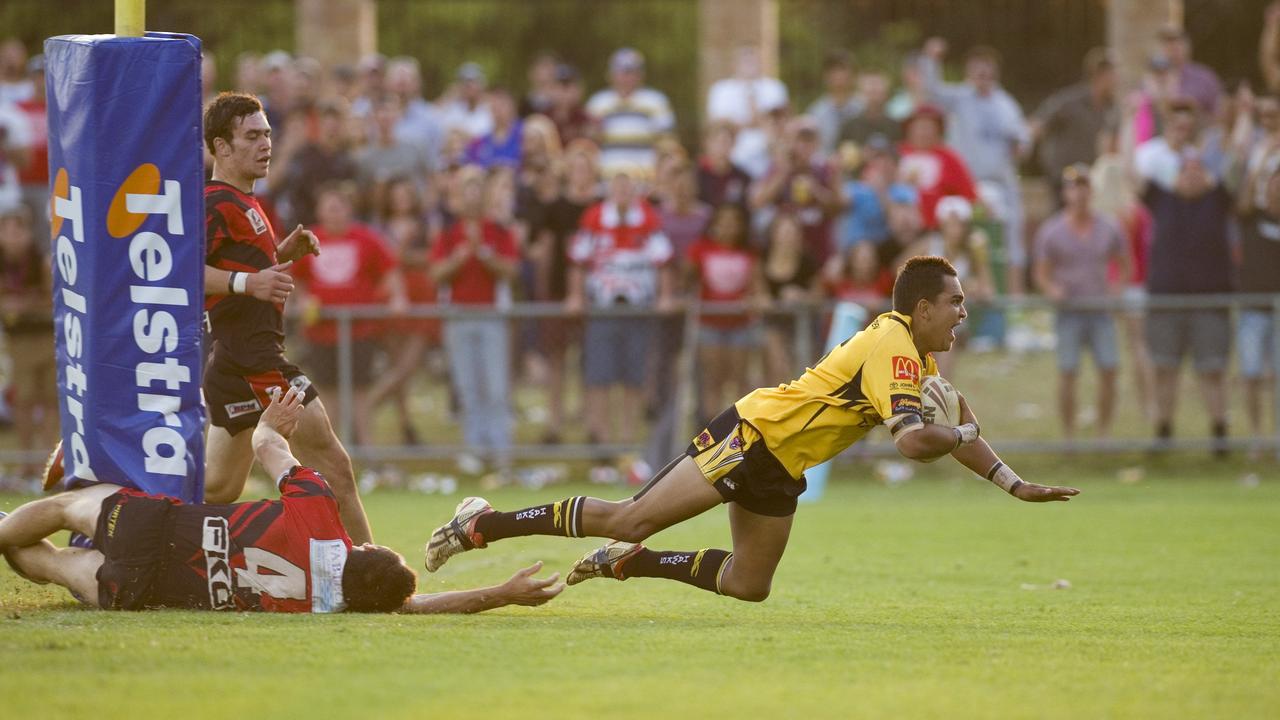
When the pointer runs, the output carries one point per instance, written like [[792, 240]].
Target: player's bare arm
[[271, 436], [272, 285], [524, 588], [982, 460]]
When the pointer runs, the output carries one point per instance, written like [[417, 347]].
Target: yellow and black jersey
[[872, 377]]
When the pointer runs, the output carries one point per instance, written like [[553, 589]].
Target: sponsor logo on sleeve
[[703, 441], [328, 559], [255, 220], [905, 405], [905, 368]]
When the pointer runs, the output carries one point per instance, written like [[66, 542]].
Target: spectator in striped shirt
[[630, 116]]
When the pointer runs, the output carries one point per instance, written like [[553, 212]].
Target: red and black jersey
[[247, 333], [284, 555]]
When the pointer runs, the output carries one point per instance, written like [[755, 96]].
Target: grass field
[[927, 599]]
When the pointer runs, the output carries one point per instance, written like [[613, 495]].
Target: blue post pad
[[128, 248]]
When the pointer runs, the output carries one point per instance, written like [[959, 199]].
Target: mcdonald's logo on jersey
[[905, 368]]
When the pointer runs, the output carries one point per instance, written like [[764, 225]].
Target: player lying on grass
[[286, 555], [753, 456]]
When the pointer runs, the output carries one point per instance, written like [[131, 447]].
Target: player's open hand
[[525, 589], [273, 285], [285, 410], [300, 242], [1031, 492]]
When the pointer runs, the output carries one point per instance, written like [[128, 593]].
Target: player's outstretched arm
[[271, 436], [522, 589], [982, 460]]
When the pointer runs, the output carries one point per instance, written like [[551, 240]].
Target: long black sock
[[563, 517], [701, 568]]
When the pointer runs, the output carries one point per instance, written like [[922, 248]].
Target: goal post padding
[[128, 258]]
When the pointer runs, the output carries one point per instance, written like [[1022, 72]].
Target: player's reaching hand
[[525, 589], [272, 285], [283, 413], [1031, 492], [300, 242]]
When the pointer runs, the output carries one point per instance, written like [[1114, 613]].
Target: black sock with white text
[[563, 517], [701, 568]]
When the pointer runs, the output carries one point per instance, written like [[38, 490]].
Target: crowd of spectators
[[485, 195]]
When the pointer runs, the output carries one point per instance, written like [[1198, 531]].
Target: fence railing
[[1017, 421], [806, 339]]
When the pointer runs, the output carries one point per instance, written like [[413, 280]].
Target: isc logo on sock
[[531, 513]]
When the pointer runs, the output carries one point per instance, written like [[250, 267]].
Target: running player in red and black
[[286, 555], [246, 285]]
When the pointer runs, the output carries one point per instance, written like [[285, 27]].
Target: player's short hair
[[920, 279], [223, 112], [376, 580]]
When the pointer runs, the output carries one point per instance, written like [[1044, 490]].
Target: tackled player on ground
[[286, 555]]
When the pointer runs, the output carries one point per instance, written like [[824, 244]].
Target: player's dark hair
[[221, 115], [375, 580], [920, 279]]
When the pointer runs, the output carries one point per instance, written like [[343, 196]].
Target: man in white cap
[[629, 115], [467, 109]]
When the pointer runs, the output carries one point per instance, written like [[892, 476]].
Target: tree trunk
[[726, 25], [336, 31]]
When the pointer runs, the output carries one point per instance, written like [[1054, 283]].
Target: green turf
[[928, 599]]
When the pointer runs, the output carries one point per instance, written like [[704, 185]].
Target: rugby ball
[[940, 401]]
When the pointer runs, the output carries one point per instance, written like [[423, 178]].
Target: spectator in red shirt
[[26, 315], [725, 270], [407, 228], [935, 169], [355, 268], [621, 258], [472, 261], [857, 276], [34, 176]]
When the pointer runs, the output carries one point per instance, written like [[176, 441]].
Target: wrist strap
[[239, 282], [1004, 477], [968, 433], [231, 282]]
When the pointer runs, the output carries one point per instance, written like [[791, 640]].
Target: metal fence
[[1010, 377], [1021, 364]]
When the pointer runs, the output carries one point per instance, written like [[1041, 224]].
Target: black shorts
[[733, 457], [236, 400], [322, 360], [133, 536]]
